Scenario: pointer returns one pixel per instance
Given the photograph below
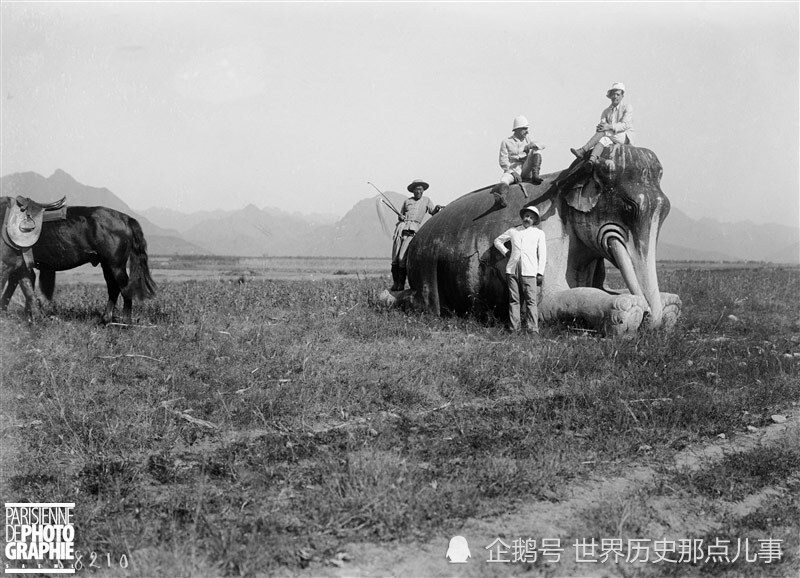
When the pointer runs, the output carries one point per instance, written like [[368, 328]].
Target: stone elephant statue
[[612, 212]]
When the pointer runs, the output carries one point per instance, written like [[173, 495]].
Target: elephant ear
[[583, 196]]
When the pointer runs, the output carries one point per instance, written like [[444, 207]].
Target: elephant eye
[[630, 207]]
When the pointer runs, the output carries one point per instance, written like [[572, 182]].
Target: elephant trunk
[[639, 273]]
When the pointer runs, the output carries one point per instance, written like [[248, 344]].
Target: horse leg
[[12, 268], [47, 283], [26, 284], [117, 281], [7, 294], [24, 278], [7, 264], [123, 281], [113, 286], [127, 307]]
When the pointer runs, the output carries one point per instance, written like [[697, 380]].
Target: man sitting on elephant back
[[410, 220], [520, 160], [525, 268], [615, 127]]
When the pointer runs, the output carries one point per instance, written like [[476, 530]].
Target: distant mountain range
[[256, 232]]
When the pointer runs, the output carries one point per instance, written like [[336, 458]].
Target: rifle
[[386, 201]]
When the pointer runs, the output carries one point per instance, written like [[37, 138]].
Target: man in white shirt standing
[[615, 127], [525, 268]]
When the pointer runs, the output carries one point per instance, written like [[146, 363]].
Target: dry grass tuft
[[247, 427]]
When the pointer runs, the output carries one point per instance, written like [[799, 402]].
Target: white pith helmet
[[520, 122], [530, 208], [616, 86]]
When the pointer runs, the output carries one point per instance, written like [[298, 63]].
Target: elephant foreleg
[[671, 310], [612, 315]]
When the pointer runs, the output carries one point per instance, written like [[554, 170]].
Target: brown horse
[[96, 235]]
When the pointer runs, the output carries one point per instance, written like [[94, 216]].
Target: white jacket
[[513, 153], [528, 249], [621, 118]]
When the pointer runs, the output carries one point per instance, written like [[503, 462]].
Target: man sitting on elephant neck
[[520, 160], [410, 220], [615, 127], [525, 268]]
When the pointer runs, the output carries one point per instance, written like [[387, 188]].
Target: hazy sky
[[298, 105]]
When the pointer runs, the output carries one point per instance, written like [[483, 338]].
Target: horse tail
[[47, 283], [140, 283]]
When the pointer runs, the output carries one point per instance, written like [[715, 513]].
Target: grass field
[[248, 425]]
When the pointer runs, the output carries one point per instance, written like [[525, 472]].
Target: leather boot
[[500, 193], [395, 275], [401, 278], [532, 166], [595, 155]]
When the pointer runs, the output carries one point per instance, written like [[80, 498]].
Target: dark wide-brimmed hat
[[530, 208], [414, 184]]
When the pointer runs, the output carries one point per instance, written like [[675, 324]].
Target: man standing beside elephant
[[615, 127], [411, 216], [520, 160], [525, 268]]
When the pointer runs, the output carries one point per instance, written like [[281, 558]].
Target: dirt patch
[[677, 517]]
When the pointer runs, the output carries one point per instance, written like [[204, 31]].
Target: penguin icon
[[458, 551]]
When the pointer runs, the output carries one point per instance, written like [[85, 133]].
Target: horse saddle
[[24, 219]]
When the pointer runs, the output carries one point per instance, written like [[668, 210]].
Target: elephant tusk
[[623, 261]]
